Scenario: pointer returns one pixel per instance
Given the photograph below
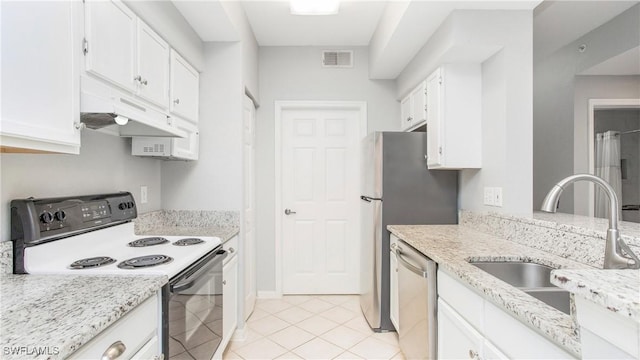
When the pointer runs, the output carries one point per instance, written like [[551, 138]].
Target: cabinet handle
[[224, 282], [79, 125], [169, 120], [176, 101], [144, 82], [232, 250], [409, 118], [473, 354], [114, 351], [440, 150], [138, 78]]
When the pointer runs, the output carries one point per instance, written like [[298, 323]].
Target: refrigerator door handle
[[369, 198]]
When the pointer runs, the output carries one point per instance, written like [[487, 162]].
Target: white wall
[[214, 181], [506, 99], [166, 20], [295, 73], [104, 165], [558, 127], [593, 87], [238, 17]]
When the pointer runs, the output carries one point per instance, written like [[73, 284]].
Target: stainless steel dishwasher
[[417, 300]]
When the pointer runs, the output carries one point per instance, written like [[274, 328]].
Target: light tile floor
[[312, 327]]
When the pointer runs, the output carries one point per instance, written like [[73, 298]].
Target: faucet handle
[[634, 261]]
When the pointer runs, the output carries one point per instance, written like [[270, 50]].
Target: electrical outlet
[[489, 197], [497, 196], [143, 194]]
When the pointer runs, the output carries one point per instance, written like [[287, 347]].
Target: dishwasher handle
[[404, 262]]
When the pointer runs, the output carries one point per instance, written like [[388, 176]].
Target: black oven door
[[195, 309]]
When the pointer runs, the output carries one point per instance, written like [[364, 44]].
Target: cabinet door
[[491, 352], [110, 29], [149, 351], [434, 119], [418, 104], [230, 298], [184, 88], [457, 339], [40, 78], [393, 282], [153, 66], [405, 113], [186, 148]]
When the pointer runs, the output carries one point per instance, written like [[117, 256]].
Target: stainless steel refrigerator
[[396, 189]]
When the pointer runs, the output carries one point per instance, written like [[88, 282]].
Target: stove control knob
[[122, 206], [60, 215], [46, 217], [130, 204]]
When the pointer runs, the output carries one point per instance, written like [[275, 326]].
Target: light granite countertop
[[223, 232], [453, 246], [617, 290], [52, 312]]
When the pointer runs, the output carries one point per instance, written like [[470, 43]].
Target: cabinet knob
[[138, 78], [79, 125], [440, 150], [176, 101], [224, 282], [232, 250], [473, 355], [144, 82], [114, 351]]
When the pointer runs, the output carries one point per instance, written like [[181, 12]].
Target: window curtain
[[608, 168]]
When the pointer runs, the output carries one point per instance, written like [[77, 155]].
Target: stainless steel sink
[[533, 279], [518, 274], [554, 297]]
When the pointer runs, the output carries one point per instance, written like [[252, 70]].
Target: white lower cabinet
[[230, 295], [133, 336], [471, 327], [394, 311], [457, 339]]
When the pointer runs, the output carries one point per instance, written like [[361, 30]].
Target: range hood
[[105, 108]]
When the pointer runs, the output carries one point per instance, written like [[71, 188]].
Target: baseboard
[[269, 295]]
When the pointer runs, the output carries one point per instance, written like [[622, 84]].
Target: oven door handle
[[188, 282]]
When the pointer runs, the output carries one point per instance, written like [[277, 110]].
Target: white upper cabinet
[[454, 115], [185, 82], [412, 108], [110, 33], [40, 76], [152, 66]]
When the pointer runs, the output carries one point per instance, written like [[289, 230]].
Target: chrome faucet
[[613, 256]]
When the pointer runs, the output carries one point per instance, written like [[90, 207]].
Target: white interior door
[[249, 251], [320, 187]]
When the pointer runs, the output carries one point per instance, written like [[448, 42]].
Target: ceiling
[[558, 23], [398, 28], [273, 24]]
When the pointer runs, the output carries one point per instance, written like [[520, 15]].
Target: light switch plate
[[497, 196], [489, 197], [143, 194]]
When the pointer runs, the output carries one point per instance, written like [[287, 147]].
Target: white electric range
[[94, 235]]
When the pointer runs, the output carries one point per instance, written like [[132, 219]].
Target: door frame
[[281, 106], [600, 104]]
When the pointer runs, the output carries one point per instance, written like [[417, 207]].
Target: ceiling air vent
[[337, 58]]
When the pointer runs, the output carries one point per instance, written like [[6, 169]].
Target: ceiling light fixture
[[314, 7]]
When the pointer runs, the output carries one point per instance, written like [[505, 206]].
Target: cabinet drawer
[[231, 246], [133, 330], [466, 302]]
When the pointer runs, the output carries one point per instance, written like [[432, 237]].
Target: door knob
[[289, 212]]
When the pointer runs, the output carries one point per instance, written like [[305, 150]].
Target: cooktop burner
[[145, 261], [150, 241], [92, 262], [188, 241]]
